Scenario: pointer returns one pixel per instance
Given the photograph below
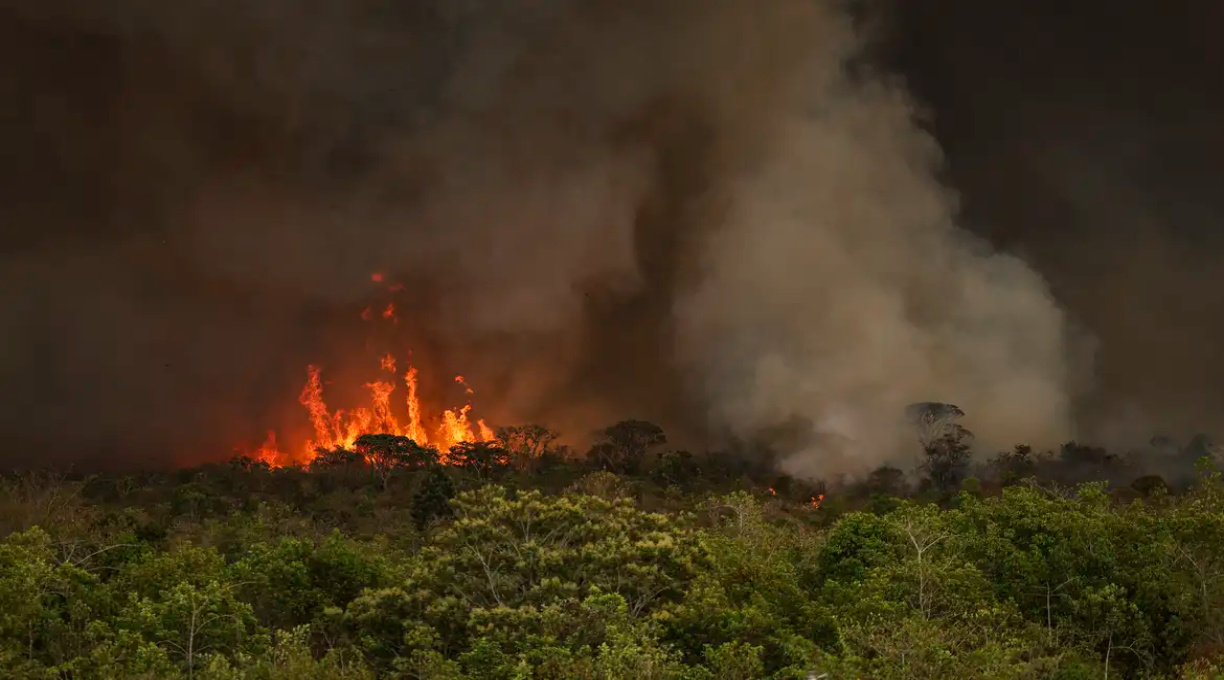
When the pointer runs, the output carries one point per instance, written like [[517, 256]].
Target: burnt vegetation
[[521, 557]]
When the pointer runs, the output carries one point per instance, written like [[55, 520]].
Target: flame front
[[341, 428]]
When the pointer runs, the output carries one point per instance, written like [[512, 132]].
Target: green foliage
[[432, 500], [373, 565]]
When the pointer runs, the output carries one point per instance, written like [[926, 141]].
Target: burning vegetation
[[387, 413], [342, 429]]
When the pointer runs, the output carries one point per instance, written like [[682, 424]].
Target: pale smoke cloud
[[838, 290]]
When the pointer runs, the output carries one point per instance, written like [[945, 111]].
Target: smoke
[[838, 290], [708, 214], [1097, 157]]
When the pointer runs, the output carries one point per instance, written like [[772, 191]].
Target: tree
[[676, 468], [933, 419], [622, 448], [886, 481], [191, 622], [387, 453], [1012, 466], [336, 458], [432, 500], [526, 444], [946, 460], [945, 443], [484, 459]]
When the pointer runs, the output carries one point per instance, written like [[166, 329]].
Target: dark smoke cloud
[[688, 211]]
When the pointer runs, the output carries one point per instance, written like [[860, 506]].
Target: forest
[[521, 558]]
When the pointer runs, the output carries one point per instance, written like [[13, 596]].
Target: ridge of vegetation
[[518, 559]]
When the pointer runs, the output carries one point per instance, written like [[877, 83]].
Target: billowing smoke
[[837, 288], [712, 214]]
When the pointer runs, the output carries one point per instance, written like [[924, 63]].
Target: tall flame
[[341, 428]]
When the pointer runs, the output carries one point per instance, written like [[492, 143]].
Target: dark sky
[[1085, 137]]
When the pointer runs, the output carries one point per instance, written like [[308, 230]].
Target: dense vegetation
[[519, 559]]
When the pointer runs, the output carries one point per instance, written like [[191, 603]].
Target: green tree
[[432, 500]]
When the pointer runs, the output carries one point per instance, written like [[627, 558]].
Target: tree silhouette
[[622, 447], [527, 444], [387, 453], [338, 457], [484, 459]]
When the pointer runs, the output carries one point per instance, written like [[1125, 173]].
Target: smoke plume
[[714, 215]]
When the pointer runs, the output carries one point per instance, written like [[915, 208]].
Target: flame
[[269, 453], [816, 501], [341, 428], [772, 492], [415, 430]]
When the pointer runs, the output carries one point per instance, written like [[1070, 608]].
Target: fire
[[341, 428], [772, 492], [816, 501], [268, 453], [387, 363]]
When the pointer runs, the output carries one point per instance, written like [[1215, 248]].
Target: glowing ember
[[389, 312], [376, 277]]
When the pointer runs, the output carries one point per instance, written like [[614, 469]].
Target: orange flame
[[389, 312], [816, 501], [340, 428], [772, 492], [415, 430], [269, 453]]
